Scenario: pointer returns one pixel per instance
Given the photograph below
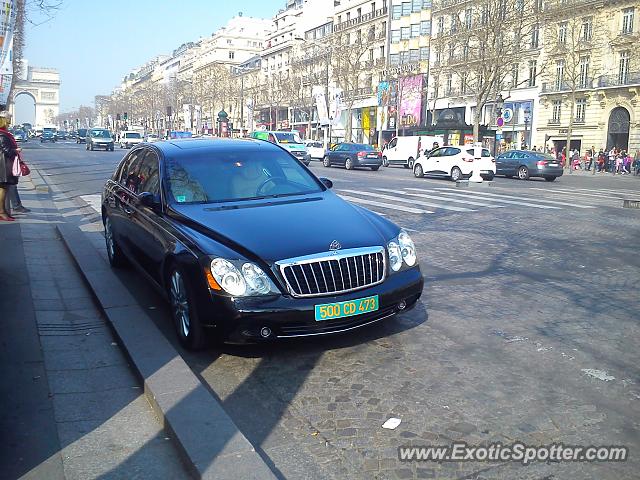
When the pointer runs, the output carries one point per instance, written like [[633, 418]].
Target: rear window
[[132, 135], [363, 147], [82, 131], [485, 152], [547, 156]]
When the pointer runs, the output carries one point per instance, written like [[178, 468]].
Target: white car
[[454, 162], [315, 149], [129, 139], [152, 138]]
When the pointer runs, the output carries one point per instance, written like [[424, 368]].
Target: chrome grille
[[333, 272]]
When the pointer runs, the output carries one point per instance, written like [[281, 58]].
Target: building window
[[449, 87], [424, 53], [484, 16], [395, 36], [438, 56], [623, 73], [533, 72], [535, 36], [538, 5], [583, 81], [414, 55], [404, 57], [382, 51], [415, 30], [440, 25], [231, 55], [396, 12], [562, 33], [465, 51], [406, 8], [454, 23], [416, 6], [581, 107], [425, 27], [426, 4], [452, 50], [559, 74], [468, 19], [383, 29], [405, 33], [348, 16], [371, 54], [394, 59], [627, 20], [359, 12], [587, 29], [463, 83], [557, 111]]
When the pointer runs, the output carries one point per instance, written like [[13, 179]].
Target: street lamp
[[527, 118], [499, 105]]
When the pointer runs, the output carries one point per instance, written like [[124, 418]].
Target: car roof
[[178, 147]]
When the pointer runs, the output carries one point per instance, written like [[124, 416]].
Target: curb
[[211, 445]]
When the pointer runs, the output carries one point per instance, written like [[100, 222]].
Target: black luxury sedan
[[352, 155], [248, 245]]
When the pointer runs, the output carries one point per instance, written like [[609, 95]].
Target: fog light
[[265, 332], [402, 305]]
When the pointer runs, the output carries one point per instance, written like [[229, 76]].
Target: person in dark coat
[[9, 150]]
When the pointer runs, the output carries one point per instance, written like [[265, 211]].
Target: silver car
[[525, 164]]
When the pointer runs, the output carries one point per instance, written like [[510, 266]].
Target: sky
[[94, 44]]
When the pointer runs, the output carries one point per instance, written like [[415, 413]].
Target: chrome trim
[[337, 331], [328, 257]]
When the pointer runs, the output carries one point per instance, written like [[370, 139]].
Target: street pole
[[241, 105]]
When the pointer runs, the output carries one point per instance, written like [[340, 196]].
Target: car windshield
[[100, 134], [287, 137], [132, 135], [231, 176]]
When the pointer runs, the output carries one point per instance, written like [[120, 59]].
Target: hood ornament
[[334, 247]]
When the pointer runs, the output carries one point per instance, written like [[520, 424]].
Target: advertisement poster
[[468, 138], [411, 100], [383, 94], [391, 118], [321, 104], [336, 105]]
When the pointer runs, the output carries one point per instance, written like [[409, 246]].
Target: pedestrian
[[563, 157], [636, 162], [10, 152], [626, 164]]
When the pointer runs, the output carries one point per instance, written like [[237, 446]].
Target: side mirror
[[326, 182], [149, 200]]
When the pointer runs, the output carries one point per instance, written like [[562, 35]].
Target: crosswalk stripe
[[435, 197], [94, 201], [411, 201], [539, 200], [497, 198], [606, 190], [402, 208], [570, 192]]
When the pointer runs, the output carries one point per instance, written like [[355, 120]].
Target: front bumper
[[243, 319], [106, 146]]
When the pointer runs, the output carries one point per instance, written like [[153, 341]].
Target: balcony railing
[[360, 92], [565, 86], [380, 12], [631, 78]]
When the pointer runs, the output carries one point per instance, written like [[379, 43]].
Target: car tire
[[385, 162], [375, 169], [456, 174], [348, 164], [523, 173], [488, 178], [114, 253], [111, 149], [326, 162], [550, 179], [411, 163], [417, 171], [91, 147], [183, 310]]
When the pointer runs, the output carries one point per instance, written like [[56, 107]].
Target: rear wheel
[[456, 174], [549, 179], [411, 162], [375, 169], [326, 162], [185, 316], [523, 173], [348, 164], [385, 162], [417, 171]]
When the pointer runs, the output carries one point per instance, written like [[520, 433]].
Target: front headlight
[[407, 248], [244, 280], [395, 256]]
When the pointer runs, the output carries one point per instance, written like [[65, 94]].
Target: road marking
[[606, 190], [570, 192], [497, 198], [94, 201], [384, 205], [411, 201], [435, 197]]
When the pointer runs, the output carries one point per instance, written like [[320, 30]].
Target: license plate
[[349, 308], [372, 156], [553, 164]]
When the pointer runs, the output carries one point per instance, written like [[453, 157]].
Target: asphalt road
[[527, 330]]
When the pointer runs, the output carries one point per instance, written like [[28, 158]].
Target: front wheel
[[183, 311], [456, 174], [417, 171], [549, 179], [385, 162], [523, 173], [348, 164], [326, 162]]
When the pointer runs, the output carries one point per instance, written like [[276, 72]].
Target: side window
[[437, 153], [272, 138], [150, 174], [451, 151], [393, 143], [124, 169], [132, 175]]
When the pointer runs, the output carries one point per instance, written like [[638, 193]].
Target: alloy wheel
[[108, 237], [180, 304]]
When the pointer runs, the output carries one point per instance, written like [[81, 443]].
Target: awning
[[365, 102]]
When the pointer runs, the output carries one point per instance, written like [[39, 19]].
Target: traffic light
[[118, 116], [125, 115], [169, 111]]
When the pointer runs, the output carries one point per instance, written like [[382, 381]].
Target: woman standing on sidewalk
[[10, 150]]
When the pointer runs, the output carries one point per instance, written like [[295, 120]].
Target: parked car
[[48, 136], [152, 138], [525, 164], [249, 245], [315, 149], [99, 138], [455, 162], [405, 150], [353, 155], [82, 135], [130, 138], [290, 141]]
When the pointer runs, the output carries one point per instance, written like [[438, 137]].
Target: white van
[[129, 138], [405, 150]]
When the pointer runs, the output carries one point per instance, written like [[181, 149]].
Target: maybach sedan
[[248, 245]]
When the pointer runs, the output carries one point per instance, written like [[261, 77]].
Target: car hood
[[277, 229]]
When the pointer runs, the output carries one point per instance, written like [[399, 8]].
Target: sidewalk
[[70, 405]]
